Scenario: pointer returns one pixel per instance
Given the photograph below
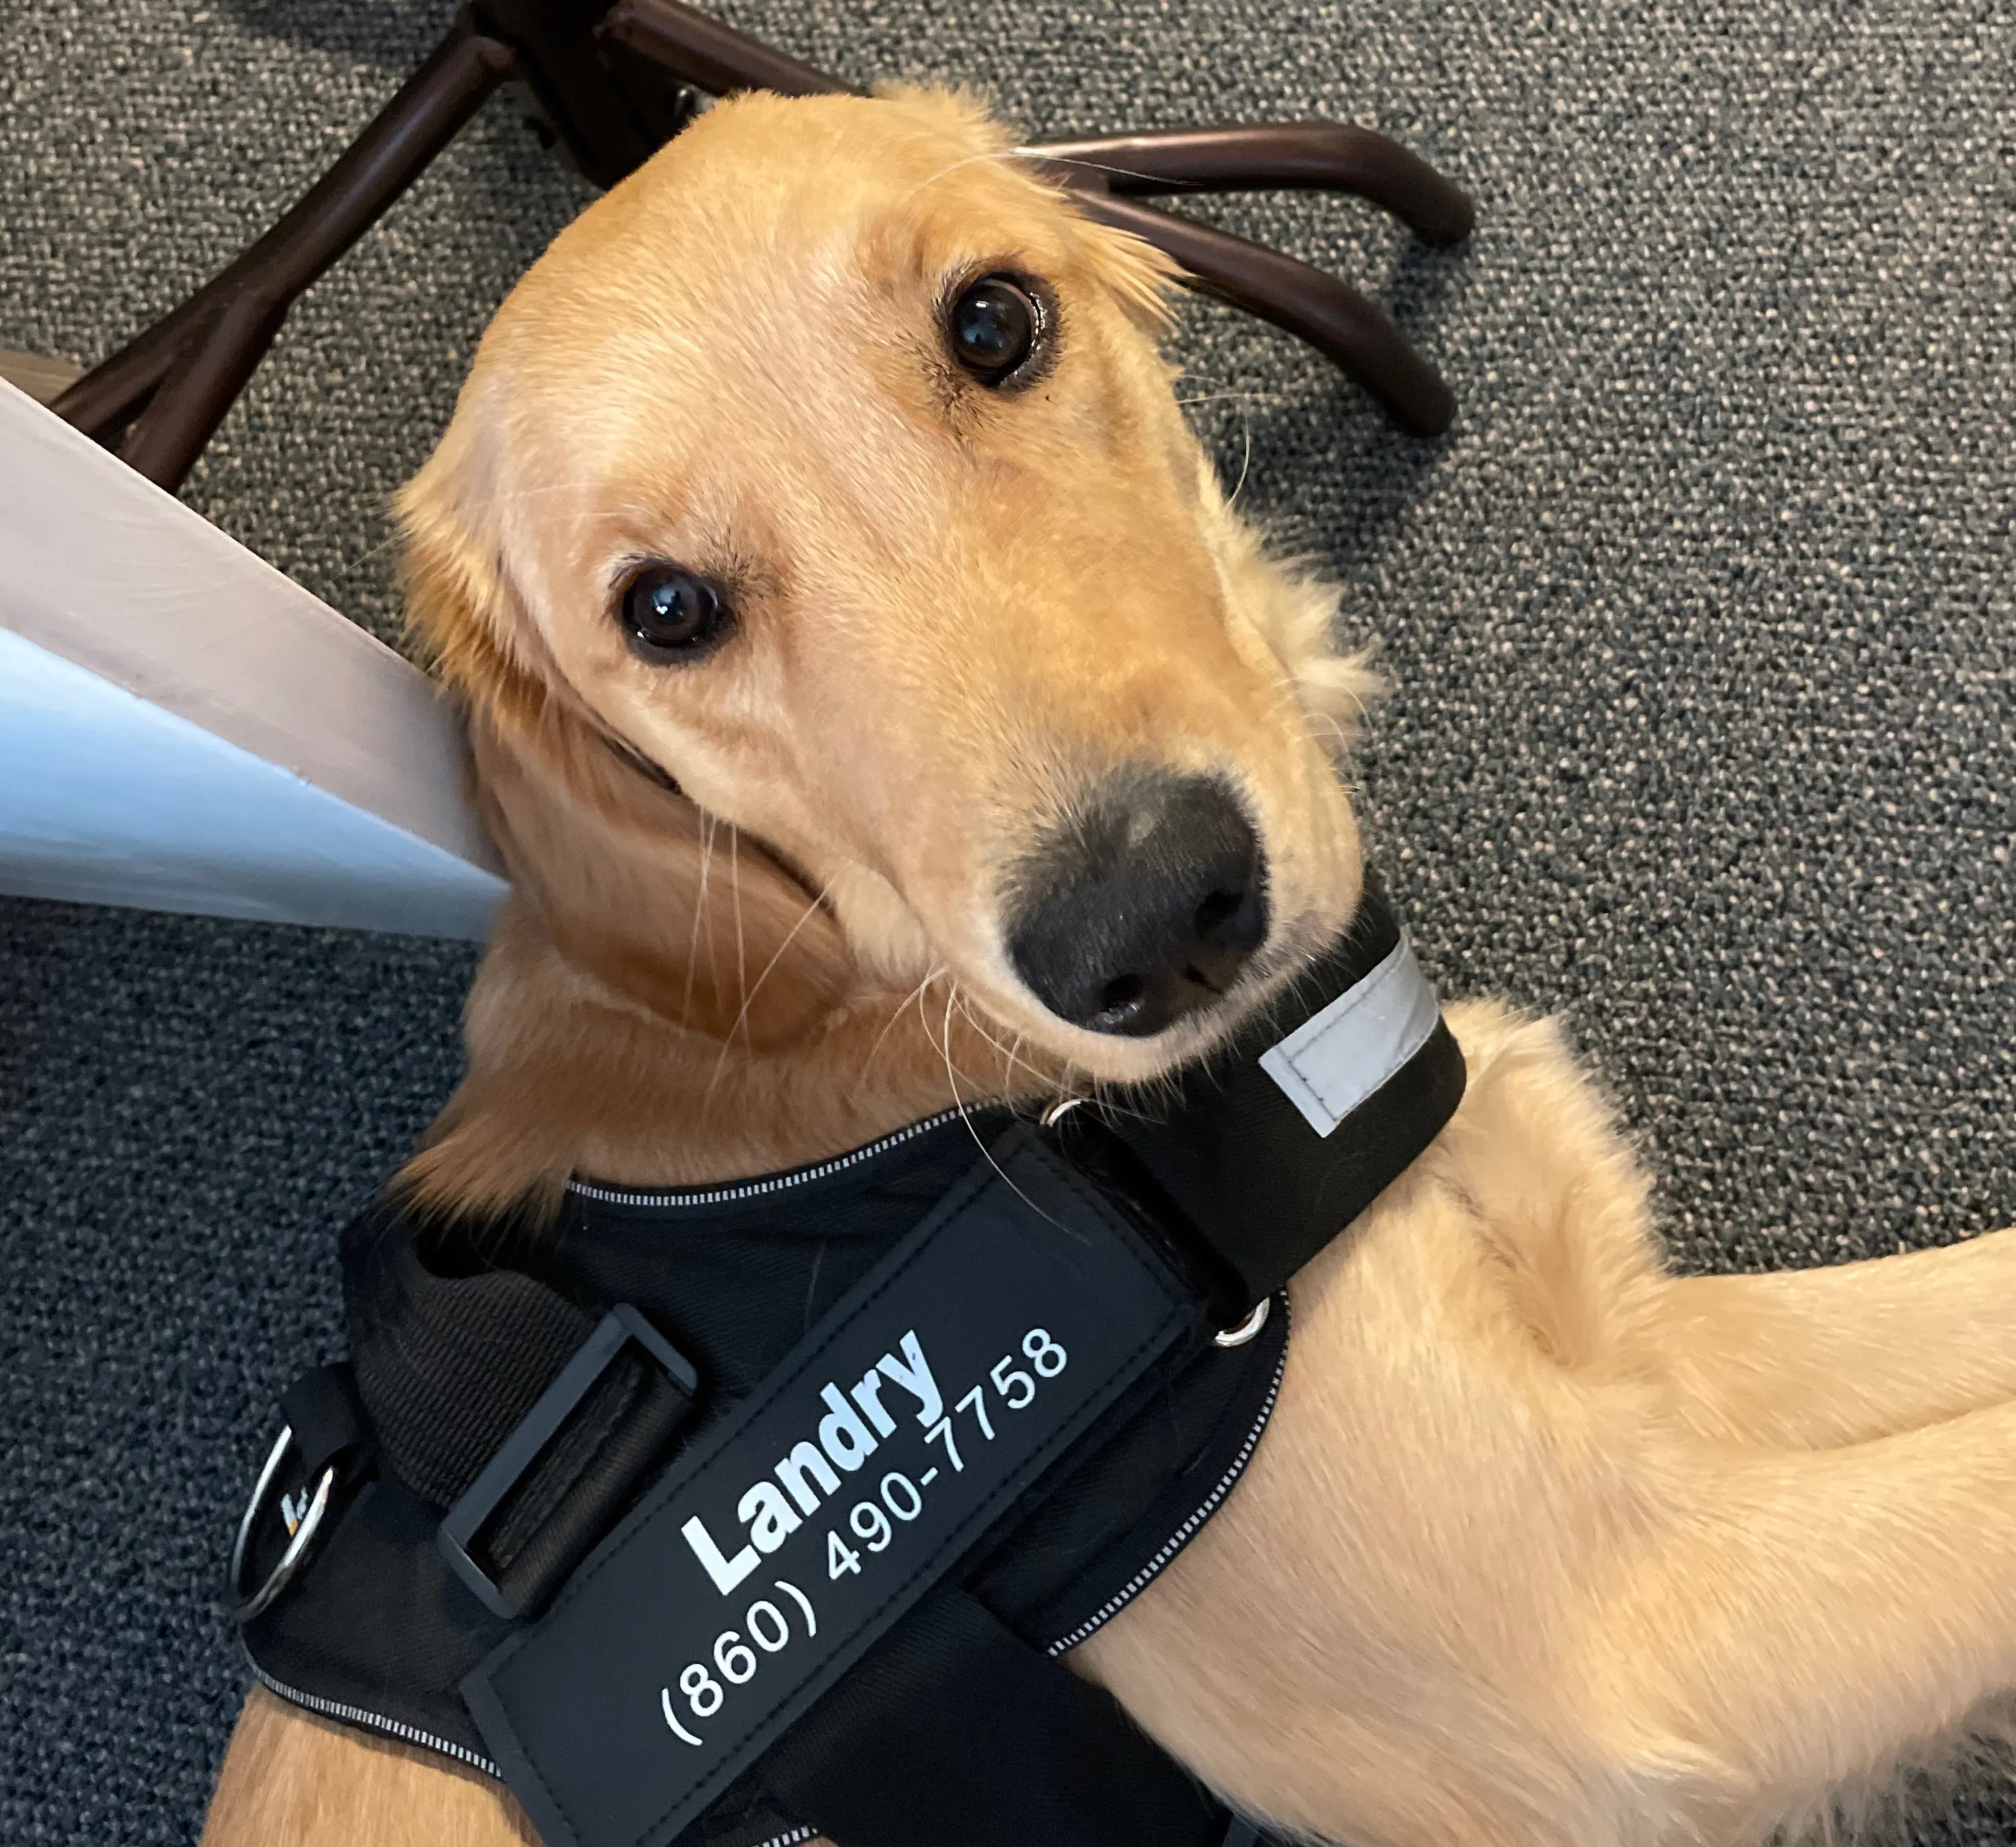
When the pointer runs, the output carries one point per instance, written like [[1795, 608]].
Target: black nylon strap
[[571, 1496], [950, 1728], [951, 1733], [1233, 1158], [322, 1409], [449, 1366], [626, 1710]]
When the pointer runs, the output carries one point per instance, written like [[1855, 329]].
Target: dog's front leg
[[1800, 1622], [293, 1780], [1719, 1641], [1813, 1358]]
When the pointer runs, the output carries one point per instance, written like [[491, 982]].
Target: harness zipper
[[617, 1196], [411, 1734], [397, 1728]]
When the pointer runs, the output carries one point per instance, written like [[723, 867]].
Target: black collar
[[1273, 1145]]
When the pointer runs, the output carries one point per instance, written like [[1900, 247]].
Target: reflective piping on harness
[[617, 1196], [411, 1734], [1181, 1537], [397, 1728]]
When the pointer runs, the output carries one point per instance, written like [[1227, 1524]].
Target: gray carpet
[[1701, 622]]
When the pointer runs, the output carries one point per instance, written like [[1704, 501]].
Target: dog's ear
[[635, 885], [630, 880], [460, 613]]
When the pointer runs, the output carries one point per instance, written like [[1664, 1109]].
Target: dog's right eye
[[993, 327], [671, 615]]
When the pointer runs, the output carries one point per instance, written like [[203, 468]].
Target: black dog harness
[[731, 1517]]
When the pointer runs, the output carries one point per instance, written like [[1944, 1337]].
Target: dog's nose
[[1146, 903]]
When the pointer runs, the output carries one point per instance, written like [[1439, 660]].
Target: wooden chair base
[[614, 80]]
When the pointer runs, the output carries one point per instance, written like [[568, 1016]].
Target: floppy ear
[[633, 884], [637, 887], [451, 569]]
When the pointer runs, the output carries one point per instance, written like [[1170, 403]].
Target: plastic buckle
[[457, 1535]]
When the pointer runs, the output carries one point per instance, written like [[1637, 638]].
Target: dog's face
[[829, 463]]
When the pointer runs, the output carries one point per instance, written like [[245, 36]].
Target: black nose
[[1144, 904]]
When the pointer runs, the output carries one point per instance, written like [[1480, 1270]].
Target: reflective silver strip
[[714, 1195], [1181, 1537], [1331, 1064]]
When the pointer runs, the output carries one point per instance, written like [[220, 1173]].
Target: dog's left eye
[[672, 614]]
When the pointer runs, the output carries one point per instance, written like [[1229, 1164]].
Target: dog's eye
[[670, 615], [993, 327]]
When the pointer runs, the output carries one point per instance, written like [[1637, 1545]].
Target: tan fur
[[294, 1780], [1545, 1548]]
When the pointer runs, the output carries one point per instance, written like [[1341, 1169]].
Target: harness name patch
[[789, 1538]]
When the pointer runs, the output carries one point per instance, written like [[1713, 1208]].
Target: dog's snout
[[1144, 904]]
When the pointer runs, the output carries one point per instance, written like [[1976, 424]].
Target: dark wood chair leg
[[713, 57], [180, 376], [610, 114], [1305, 157], [1330, 315], [615, 80]]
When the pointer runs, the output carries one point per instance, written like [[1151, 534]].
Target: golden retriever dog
[[799, 587]]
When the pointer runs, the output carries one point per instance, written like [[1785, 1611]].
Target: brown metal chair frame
[[615, 79]]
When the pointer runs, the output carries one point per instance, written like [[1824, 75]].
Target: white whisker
[[727, 1044], [997, 158], [1246, 462], [916, 994], [1054, 159], [1219, 397], [964, 1116], [980, 1026], [741, 952], [700, 911]]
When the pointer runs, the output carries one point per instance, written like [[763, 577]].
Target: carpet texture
[[1699, 621]]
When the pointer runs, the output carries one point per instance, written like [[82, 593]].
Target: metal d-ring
[[1238, 1336], [246, 1605], [1056, 1112]]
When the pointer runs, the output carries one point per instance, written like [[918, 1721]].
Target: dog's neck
[[664, 1004]]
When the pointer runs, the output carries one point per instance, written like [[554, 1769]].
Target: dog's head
[[829, 466]]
